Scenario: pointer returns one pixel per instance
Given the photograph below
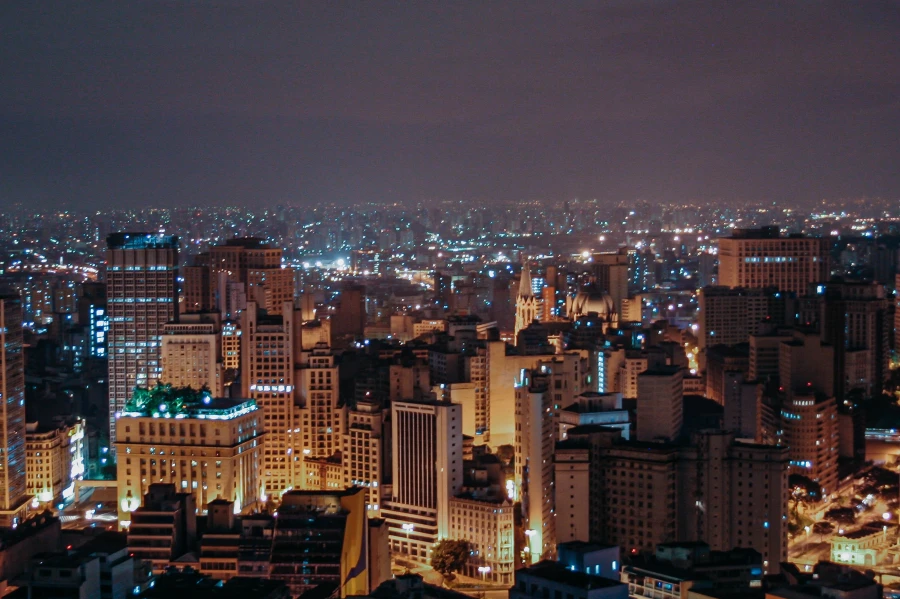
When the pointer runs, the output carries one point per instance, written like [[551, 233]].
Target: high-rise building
[[526, 302], [741, 406], [731, 315], [92, 312], [855, 320], [192, 355], [142, 296], [231, 345], [255, 265], [660, 403], [322, 419], [810, 430], [13, 491], [611, 275], [350, 317], [199, 286], [731, 492], [734, 494], [536, 433], [757, 258], [427, 472], [366, 454], [268, 376], [210, 448]]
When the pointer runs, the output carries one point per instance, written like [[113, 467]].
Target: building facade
[[13, 483], [142, 296], [209, 448], [756, 258]]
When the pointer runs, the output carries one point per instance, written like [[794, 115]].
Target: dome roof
[[592, 301]]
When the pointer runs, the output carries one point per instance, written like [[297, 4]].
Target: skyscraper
[[267, 376], [611, 275], [13, 498], [427, 472], [536, 432], [755, 258], [142, 296], [660, 403]]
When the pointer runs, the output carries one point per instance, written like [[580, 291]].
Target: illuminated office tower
[[142, 296], [427, 472], [320, 416], [231, 345], [208, 447], [267, 376], [258, 267], [365, 454], [191, 354], [536, 433], [526, 302], [758, 258], [13, 492]]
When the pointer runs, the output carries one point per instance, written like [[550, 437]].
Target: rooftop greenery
[[166, 398]]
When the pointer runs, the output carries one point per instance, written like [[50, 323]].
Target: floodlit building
[[54, 459], [192, 355], [210, 448], [488, 525]]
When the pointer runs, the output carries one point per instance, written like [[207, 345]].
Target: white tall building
[[141, 297], [427, 472]]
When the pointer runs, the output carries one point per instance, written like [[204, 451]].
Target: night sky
[[191, 102]]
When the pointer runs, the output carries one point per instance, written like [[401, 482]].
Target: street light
[[529, 533], [484, 571], [408, 527]]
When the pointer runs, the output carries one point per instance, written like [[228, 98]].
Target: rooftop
[[167, 401], [555, 571]]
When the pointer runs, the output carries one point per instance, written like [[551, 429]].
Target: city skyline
[[225, 103]]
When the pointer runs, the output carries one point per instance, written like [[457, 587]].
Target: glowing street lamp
[[484, 571], [408, 527]]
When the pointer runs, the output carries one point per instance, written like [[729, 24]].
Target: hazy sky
[[131, 103]]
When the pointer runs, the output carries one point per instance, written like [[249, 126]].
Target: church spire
[[525, 281]]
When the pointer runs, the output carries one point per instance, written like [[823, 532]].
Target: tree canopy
[[449, 556]]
